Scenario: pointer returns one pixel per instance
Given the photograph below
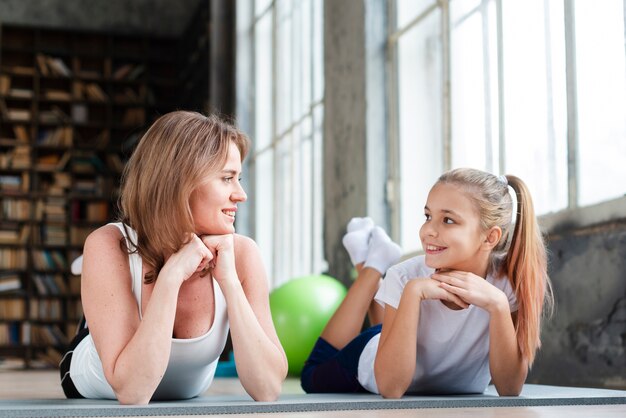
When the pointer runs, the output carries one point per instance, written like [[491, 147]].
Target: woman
[[161, 288]]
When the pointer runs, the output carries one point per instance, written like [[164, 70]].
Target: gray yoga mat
[[532, 395]]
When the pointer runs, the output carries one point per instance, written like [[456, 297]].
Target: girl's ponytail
[[526, 267]]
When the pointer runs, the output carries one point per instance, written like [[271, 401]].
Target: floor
[[45, 385]]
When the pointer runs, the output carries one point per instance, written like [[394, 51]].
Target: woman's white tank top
[[192, 362]]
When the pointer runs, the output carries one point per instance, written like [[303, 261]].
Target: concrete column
[[345, 179], [354, 122]]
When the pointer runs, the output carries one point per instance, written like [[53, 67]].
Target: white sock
[[357, 239], [383, 252], [356, 224]]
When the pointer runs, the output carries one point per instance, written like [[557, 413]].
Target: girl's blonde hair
[[524, 261], [172, 159]]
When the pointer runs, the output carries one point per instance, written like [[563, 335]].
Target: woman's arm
[[260, 359], [397, 350], [508, 368], [134, 353]]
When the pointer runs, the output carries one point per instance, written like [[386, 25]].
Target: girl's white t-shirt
[[452, 346]]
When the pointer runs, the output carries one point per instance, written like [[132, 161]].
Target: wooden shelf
[[72, 104]]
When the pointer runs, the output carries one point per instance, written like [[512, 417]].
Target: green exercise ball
[[300, 310]]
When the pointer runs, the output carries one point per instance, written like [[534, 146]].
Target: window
[[280, 45], [534, 88]]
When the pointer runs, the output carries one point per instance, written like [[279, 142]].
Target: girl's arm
[[508, 368], [134, 352], [259, 357], [397, 349]]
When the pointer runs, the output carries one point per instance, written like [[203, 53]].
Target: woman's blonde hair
[[172, 159], [524, 261]]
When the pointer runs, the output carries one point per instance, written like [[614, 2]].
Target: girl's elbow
[[391, 393], [510, 390]]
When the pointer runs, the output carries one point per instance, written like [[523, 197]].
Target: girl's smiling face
[[452, 236], [214, 203]]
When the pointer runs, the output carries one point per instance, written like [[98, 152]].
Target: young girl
[[162, 288], [465, 313]]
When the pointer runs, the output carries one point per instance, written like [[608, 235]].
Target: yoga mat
[[532, 395]]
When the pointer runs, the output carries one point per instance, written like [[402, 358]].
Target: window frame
[[574, 213]]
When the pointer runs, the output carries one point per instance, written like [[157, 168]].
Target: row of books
[[62, 136], [22, 92], [12, 258], [14, 233], [15, 114], [26, 333], [13, 309], [10, 282], [78, 235], [15, 183], [45, 284], [51, 234], [55, 284], [15, 209], [45, 309], [90, 211], [52, 66], [49, 260], [17, 158]]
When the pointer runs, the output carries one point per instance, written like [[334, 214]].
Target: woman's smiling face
[[214, 203]]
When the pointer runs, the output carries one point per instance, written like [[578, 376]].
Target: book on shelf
[[20, 93], [52, 66], [49, 260], [61, 136], [80, 113], [48, 335], [14, 234], [15, 209], [10, 333], [134, 117], [21, 134], [59, 95], [49, 284], [10, 282], [22, 70], [54, 115], [50, 358], [22, 115], [13, 308], [5, 84], [78, 234], [42, 64], [14, 183], [45, 309], [94, 92], [122, 71], [114, 162], [19, 158], [47, 162]]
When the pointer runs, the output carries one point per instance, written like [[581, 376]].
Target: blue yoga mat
[[532, 395]]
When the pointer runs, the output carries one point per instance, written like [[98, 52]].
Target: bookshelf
[[195, 58], [72, 106]]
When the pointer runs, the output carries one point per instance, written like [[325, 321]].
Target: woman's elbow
[[132, 398], [268, 393], [131, 395]]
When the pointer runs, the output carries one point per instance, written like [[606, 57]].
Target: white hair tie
[[502, 179]]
